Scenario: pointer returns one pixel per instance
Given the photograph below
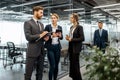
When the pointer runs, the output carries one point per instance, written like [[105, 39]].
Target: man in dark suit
[[35, 36], [101, 37]]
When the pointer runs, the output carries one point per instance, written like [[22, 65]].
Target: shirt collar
[[56, 26], [100, 29], [35, 19]]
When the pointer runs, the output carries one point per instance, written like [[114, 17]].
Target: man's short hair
[[100, 22], [37, 8]]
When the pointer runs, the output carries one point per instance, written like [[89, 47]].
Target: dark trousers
[[54, 58], [34, 63], [74, 66], [101, 48]]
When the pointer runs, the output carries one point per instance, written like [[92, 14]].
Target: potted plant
[[104, 66]]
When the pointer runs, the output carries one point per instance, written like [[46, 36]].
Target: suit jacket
[[76, 42], [48, 43], [35, 44], [100, 41]]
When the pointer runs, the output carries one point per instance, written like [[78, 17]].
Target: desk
[[4, 47], [87, 44], [21, 48]]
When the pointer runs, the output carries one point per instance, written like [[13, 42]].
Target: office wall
[[14, 31], [11, 23]]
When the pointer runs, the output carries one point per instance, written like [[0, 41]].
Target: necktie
[[100, 31], [39, 25]]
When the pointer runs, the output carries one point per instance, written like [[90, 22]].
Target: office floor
[[17, 73]]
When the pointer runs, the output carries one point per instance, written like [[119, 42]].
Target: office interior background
[[13, 14]]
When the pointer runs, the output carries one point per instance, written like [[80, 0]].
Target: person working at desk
[[34, 33], [53, 46], [101, 37]]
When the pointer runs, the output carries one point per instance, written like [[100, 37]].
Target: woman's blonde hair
[[55, 14]]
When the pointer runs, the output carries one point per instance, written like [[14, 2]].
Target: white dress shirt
[[54, 39]]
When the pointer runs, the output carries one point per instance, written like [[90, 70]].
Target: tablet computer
[[48, 34], [58, 30]]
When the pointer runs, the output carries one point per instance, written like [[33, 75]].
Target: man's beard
[[38, 17]]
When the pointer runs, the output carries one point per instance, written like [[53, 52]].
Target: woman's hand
[[54, 34], [68, 38], [59, 34]]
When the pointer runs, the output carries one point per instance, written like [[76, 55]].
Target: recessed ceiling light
[[74, 9], [103, 6]]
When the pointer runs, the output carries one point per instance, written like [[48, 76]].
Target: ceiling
[[109, 6], [19, 10], [10, 9]]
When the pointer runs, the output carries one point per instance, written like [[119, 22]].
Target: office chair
[[12, 50], [13, 54]]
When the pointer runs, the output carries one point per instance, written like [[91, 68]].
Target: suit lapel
[[33, 23], [58, 27], [42, 27], [37, 28], [99, 33], [75, 30], [50, 28]]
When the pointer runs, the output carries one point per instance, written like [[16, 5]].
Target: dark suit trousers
[[34, 63], [74, 66], [101, 48], [54, 58]]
